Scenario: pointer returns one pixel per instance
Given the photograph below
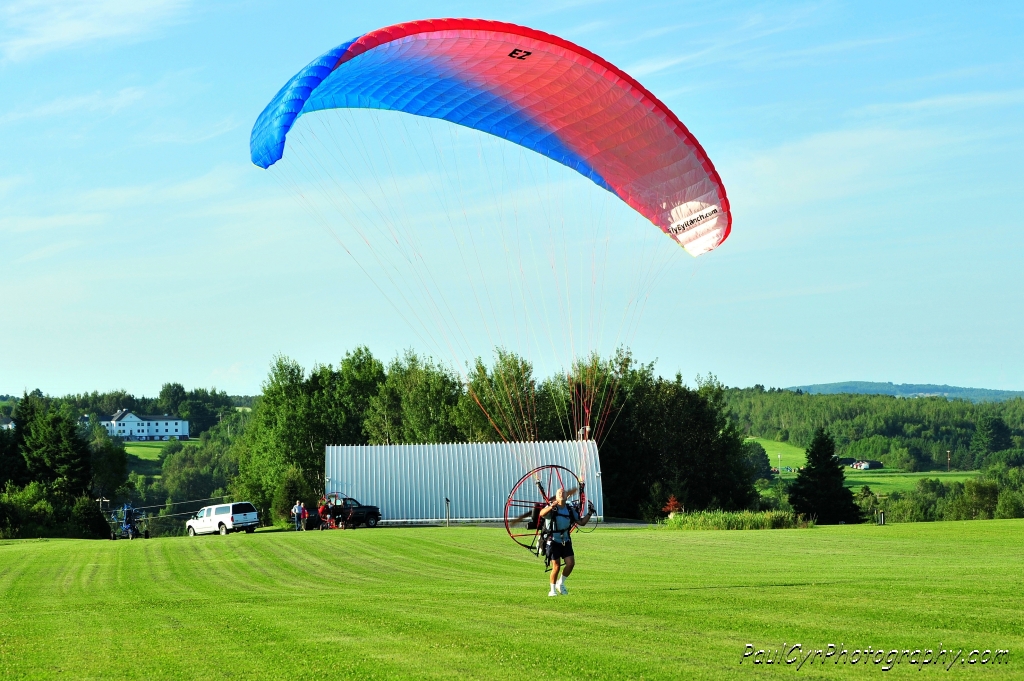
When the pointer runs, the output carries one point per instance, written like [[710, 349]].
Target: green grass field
[[465, 603], [792, 456], [883, 481], [886, 481], [144, 457]]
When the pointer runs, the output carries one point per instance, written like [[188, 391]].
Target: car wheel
[[223, 529], [372, 521], [250, 530], [113, 536], [191, 531], [146, 534]]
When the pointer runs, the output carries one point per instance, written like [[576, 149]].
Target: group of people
[[327, 511], [300, 515]]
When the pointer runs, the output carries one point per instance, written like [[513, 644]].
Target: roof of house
[[123, 413]]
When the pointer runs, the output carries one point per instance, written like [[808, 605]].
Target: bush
[[45, 510], [1010, 504], [733, 520], [86, 520], [293, 486]]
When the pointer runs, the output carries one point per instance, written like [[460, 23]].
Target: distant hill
[[910, 390]]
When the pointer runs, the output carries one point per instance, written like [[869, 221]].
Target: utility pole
[[948, 455]]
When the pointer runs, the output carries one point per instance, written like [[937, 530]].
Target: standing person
[[305, 514], [559, 547], [297, 515], [323, 513]]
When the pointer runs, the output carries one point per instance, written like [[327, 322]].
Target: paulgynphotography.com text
[[885, 659]]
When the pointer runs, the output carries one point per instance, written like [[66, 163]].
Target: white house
[[126, 425], [6, 423]]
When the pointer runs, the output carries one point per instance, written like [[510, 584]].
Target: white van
[[224, 518]]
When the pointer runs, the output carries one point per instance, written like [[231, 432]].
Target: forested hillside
[[951, 392], [913, 434]]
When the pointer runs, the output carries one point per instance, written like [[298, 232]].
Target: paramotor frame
[[532, 493]]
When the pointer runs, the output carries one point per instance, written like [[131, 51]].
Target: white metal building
[[126, 425], [410, 482]]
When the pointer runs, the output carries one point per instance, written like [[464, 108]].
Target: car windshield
[[244, 507]]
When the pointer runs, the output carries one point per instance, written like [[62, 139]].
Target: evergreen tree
[[991, 434], [12, 465], [54, 451], [818, 490], [109, 462]]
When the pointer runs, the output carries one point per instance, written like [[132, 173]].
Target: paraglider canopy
[[531, 88]]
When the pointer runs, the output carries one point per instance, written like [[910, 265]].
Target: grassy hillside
[[144, 457], [792, 456], [465, 603]]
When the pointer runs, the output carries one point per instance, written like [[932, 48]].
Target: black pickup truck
[[347, 512]]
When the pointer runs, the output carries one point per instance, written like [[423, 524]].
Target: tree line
[[58, 460], [666, 445], [667, 439], [51, 466], [201, 407], [913, 434]]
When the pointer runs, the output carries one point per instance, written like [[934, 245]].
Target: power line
[[175, 503]]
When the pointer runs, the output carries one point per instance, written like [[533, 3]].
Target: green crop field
[[465, 603]]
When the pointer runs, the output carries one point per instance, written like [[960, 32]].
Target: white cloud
[[194, 135], [946, 103], [588, 27], [7, 184], [49, 250], [216, 183], [32, 223], [836, 165], [96, 101], [35, 27]]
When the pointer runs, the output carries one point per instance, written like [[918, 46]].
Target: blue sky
[[870, 150]]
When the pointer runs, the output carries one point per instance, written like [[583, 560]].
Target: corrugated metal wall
[[410, 482]]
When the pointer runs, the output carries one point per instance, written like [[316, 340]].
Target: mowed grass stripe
[[465, 602]]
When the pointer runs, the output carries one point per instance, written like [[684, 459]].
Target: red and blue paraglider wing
[[531, 88]]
